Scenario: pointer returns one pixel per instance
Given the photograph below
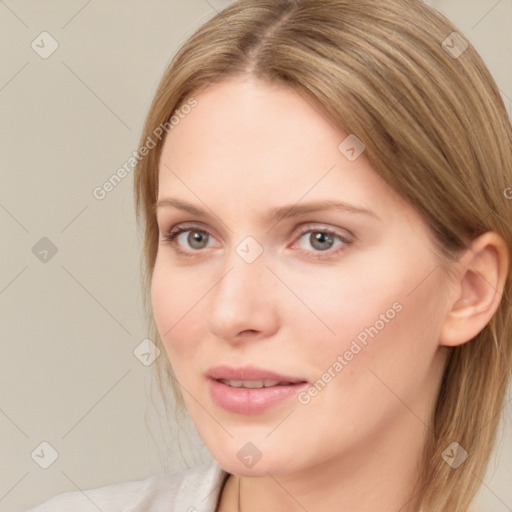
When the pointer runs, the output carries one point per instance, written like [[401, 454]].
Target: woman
[[323, 194]]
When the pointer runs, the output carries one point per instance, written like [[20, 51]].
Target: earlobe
[[482, 272]]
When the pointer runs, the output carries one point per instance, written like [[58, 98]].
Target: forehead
[[248, 141], [254, 125], [241, 114]]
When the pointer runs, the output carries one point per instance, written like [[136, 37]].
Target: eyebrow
[[276, 214]]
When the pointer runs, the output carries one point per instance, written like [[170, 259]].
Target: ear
[[481, 274]]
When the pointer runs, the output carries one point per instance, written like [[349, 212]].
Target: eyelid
[[185, 226], [321, 227], [304, 228]]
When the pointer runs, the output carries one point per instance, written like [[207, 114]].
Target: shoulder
[[195, 489]]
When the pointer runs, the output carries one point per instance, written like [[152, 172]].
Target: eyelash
[[174, 232]]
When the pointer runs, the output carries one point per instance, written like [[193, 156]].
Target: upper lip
[[246, 373]]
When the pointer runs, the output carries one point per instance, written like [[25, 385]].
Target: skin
[[249, 147]]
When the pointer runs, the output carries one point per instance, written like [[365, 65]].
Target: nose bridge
[[240, 299], [239, 284]]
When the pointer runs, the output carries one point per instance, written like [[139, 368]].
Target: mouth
[[250, 390], [250, 375], [254, 384]]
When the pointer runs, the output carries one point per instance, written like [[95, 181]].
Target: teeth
[[270, 383], [252, 384]]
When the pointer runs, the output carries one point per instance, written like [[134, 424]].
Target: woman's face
[[302, 338]]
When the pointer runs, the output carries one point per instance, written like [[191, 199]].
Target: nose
[[242, 304]]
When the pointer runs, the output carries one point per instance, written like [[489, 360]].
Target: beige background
[[70, 324]]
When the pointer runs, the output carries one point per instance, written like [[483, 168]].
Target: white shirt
[[193, 490]]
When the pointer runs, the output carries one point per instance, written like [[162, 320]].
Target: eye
[[316, 241], [187, 239], [323, 240]]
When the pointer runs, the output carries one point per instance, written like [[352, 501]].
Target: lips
[[250, 373], [250, 390]]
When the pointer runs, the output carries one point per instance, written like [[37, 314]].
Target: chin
[[252, 459], [261, 468]]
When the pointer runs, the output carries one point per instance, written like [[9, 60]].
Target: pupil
[[321, 239], [196, 239]]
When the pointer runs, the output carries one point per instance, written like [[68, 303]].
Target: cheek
[[397, 358], [380, 314], [336, 304], [175, 300]]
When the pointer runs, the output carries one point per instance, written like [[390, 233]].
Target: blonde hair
[[435, 129]]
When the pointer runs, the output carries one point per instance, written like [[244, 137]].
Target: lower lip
[[250, 400]]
